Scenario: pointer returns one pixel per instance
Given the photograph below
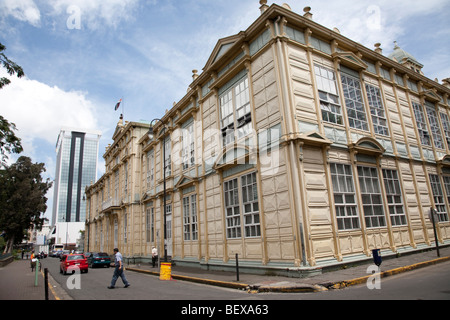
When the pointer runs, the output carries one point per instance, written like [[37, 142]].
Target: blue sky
[[81, 56]]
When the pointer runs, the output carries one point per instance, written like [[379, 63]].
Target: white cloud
[[23, 10], [369, 22], [39, 111], [95, 14]]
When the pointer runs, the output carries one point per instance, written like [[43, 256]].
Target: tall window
[[233, 216], [125, 177], [394, 197], [344, 196], [247, 204], [188, 149], [421, 124], [150, 168], [169, 220], [149, 224], [434, 125], [167, 159], [371, 197], [328, 95], [446, 125], [250, 205], [354, 102], [190, 217], [116, 185], [377, 110], [438, 196], [235, 112]]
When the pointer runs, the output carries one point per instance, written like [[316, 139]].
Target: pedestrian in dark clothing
[[118, 270]]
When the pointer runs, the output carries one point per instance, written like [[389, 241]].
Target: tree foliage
[[10, 66], [9, 142], [22, 199]]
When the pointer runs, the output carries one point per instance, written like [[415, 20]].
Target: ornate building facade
[[295, 148]]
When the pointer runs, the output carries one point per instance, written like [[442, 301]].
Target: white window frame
[[434, 125], [188, 146], [345, 202], [235, 112], [190, 228], [354, 102], [377, 110], [422, 127], [150, 169], [372, 198], [242, 204], [446, 125], [328, 95], [438, 196], [167, 145]]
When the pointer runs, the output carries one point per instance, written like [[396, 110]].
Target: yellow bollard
[[166, 271]]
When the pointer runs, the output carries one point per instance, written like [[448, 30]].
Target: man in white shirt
[[154, 256], [118, 270]]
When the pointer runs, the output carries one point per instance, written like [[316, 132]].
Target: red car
[[73, 262]]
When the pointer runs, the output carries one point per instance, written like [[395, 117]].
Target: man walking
[[118, 270]]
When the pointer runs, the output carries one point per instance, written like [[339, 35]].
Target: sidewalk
[[325, 281], [18, 282]]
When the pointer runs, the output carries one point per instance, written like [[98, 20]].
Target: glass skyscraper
[[76, 168]]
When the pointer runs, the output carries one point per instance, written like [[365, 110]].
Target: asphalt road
[[93, 286], [429, 283]]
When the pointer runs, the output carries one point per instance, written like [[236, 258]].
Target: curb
[[218, 283], [292, 288], [361, 280]]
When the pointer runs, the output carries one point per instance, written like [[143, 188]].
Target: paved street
[[429, 283], [143, 287]]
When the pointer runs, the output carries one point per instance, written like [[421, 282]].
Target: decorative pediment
[[431, 95], [222, 46], [232, 157], [185, 181], [314, 138], [350, 60], [367, 145], [445, 161]]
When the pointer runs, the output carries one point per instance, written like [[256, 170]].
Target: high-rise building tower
[[76, 167]]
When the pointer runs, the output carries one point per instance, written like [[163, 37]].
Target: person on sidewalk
[[154, 256], [32, 261], [118, 270]]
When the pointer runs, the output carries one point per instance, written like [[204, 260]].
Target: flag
[[117, 105]]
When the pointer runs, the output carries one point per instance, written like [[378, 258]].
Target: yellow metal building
[[295, 148]]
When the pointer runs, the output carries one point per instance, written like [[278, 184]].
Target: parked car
[[72, 263], [99, 259]]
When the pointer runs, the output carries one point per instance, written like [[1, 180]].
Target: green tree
[[22, 200], [10, 66], [9, 142]]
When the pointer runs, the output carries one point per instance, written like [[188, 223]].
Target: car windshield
[[102, 254], [75, 257]]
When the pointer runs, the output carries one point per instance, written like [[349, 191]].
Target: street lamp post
[[150, 135]]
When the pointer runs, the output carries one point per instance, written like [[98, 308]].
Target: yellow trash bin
[[166, 271]]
